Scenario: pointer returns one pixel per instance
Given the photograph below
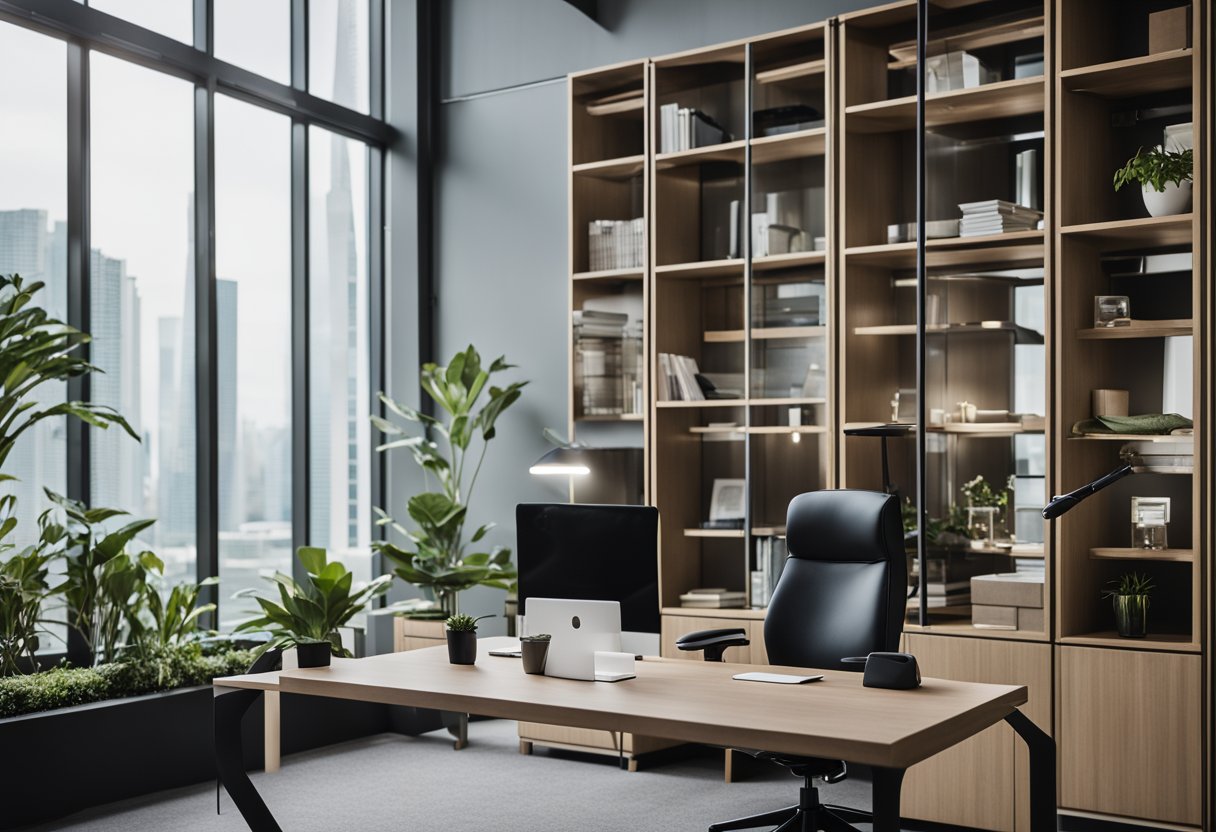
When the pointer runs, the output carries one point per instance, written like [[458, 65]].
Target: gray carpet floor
[[390, 782]]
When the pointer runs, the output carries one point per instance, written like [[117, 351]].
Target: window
[[174, 18], [255, 36], [338, 40], [141, 300], [339, 430], [253, 343], [151, 232], [33, 235]]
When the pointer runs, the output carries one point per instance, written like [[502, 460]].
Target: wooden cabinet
[[412, 634], [1130, 742], [980, 783]]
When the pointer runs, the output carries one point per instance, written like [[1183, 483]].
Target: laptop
[[579, 629]]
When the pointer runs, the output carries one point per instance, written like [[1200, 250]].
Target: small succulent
[[464, 623]]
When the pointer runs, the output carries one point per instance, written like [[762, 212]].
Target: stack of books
[[948, 580], [683, 128], [996, 216], [771, 553], [715, 598], [608, 349], [679, 379], [616, 244]]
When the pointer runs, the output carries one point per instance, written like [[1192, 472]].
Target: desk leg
[[458, 727], [1042, 750], [229, 707], [887, 783]]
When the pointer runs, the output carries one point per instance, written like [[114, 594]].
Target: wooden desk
[[682, 700]]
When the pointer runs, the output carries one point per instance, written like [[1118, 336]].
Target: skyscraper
[[231, 491], [340, 499]]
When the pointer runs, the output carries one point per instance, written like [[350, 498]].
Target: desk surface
[[692, 701]]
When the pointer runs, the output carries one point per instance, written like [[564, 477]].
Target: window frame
[[85, 29]]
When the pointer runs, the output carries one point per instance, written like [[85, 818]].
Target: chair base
[[808, 816]]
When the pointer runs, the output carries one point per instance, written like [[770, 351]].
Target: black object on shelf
[[884, 431], [1067, 502], [778, 120]]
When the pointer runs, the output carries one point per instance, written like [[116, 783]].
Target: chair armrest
[[713, 642]]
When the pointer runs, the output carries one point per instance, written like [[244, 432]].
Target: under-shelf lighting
[[569, 462]]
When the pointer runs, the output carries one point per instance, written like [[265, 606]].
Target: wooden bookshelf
[[1013, 332]]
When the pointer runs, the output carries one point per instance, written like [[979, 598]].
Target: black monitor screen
[[600, 553]]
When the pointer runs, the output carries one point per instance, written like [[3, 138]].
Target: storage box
[[1169, 30], [988, 617], [1007, 590], [1030, 618]]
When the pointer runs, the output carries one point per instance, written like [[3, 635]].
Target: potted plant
[[535, 650], [462, 638], [1129, 595], [312, 610], [1164, 177], [985, 511], [436, 559]]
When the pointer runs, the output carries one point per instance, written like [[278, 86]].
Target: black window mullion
[[204, 26], [299, 341], [78, 249], [376, 325], [375, 31], [299, 44], [206, 439]]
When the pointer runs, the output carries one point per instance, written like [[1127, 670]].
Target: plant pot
[[535, 652], [1175, 199], [462, 646], [1131, 615], [314, 654]]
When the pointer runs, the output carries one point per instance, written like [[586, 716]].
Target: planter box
[[69, 759]]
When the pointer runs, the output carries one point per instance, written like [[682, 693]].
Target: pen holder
[[534, 650]]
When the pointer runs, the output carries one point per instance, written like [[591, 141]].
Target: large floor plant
[[450, 453]]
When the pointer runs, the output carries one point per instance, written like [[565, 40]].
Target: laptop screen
[[596, 552]]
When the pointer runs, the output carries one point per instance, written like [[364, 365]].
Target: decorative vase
[[313, 654], [1175, 199], [462, 646], [1131, 615], [534, 652], [981, 525]]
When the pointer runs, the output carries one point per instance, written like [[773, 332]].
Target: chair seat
[[800, 766]]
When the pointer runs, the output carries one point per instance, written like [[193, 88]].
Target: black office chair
[[842, 595]]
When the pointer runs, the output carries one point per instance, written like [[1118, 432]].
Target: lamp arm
[[1066, 502]]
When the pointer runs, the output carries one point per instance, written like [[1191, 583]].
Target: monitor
[[596, 553]]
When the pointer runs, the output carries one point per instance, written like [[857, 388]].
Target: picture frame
[[727, 501]]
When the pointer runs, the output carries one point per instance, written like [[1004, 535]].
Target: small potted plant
[[462, 638], [1164, 177], [313, 609], [535, 649], [1129, 595]]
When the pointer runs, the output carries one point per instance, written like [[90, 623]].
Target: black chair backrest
[[844, 588]]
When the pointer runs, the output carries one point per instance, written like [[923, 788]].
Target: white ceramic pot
[[1175, 199]]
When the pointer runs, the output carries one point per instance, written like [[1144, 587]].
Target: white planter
[[1175, 199]]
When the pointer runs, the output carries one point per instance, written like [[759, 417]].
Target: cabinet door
[[1130, 742], [674, 626], [975, 783]]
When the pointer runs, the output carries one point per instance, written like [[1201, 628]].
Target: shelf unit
[[1105, 73], [741, 312], [1005, 304], [609, 179]]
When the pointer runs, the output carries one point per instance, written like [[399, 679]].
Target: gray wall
[[501, 202]]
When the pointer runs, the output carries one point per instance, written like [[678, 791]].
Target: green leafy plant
[[312, 610], [436, 559], [980, 493], [461, 623], [174, 619], [537, 637], [24, 587], [36, 349], [1129, 584], [172, 668], [105, 587], [1156, 168]]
